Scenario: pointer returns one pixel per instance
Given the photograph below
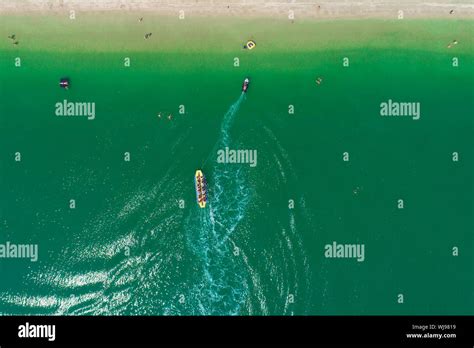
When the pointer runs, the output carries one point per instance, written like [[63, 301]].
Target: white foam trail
[[222, 287], [256, 282]]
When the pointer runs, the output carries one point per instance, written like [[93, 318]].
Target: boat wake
[[142, 258], [219, 284], [228, 277]]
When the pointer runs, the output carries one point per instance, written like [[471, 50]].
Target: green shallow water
[[128, 248]]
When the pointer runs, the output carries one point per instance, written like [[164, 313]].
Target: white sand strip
[[256, 8]]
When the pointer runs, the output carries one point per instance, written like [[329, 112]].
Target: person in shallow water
[[64, 83], [455, 42]]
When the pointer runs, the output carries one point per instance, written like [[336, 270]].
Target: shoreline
[[344, 9], [124, 32]]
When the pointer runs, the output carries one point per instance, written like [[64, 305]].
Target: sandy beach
[[389, 9]]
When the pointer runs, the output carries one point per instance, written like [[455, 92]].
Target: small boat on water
[[245, 85], [201, 188]]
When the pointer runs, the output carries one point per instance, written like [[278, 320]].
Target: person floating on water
[[319, 80], [13, 37], [250, 45], [455, 42], [169, 117], [64, 83]]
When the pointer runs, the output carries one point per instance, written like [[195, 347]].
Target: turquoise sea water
[[129, 248]]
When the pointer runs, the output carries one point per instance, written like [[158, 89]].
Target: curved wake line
[[223, 141], [228, 118], [221, 286]]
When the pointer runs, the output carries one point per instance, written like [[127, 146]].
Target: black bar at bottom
[[413, 330]]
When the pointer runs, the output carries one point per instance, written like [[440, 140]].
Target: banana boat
[[201, 188]]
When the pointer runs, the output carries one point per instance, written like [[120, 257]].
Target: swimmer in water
[[455, 42], [170, 116]]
